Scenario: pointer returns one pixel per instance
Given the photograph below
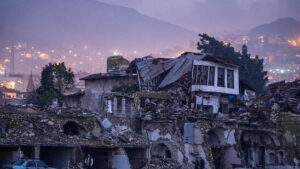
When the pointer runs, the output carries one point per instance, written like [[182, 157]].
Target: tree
[[251, 69], [55, 79]]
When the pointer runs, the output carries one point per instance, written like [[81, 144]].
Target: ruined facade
[[183, 108]]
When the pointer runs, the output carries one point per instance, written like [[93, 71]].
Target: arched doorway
[[216, 142], [73, 129], [161, 151]]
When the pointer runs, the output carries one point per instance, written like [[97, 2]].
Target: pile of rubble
[[30, 125], [163, 164]]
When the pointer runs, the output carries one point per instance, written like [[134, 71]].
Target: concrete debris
[[67, 128], [163, 164], [191, 110], [106, 123]]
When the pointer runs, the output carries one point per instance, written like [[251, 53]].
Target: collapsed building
[[161, 113]]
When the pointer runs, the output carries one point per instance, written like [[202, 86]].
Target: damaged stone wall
[[95, 90], [59, 136], [221, 144]]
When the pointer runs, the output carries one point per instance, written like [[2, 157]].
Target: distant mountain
[[284, 27], [59, 23]]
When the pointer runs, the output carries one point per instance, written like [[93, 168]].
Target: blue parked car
[[27, 164]]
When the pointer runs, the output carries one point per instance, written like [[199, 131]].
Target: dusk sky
[[215, 15]]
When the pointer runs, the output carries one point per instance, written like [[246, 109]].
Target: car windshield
[[41, 164], [19, 162]]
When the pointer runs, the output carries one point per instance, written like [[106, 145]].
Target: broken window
[[224, 108], [198, 74], [128, 106], [204, 75], [211, 80], [230, 78], [207, 109], [221, 77], [119, 105], [161, 151], [194, 75]]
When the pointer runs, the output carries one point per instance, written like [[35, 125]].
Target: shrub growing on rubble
[[251, 69], [55, 79]]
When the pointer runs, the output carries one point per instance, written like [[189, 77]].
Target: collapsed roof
[[150, 68]]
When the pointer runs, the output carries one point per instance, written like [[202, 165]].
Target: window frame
[[232, 80], [213, 76], [204, 75], [198, 75], [218, 79]]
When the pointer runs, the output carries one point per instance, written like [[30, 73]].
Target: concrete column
[[225, 78], [37, 152], [73, 155], [115, 105], [123, 105]]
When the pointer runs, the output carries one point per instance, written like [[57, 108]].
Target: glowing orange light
[[44, 56], [134, 51], [85, 47], [6, 60], [271, 58], [270, 78], [28, 55], [292, 42], [225, 43], [12, 85]]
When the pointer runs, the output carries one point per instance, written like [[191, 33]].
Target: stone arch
[[73, 128], [215, 137], [160, 150]]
